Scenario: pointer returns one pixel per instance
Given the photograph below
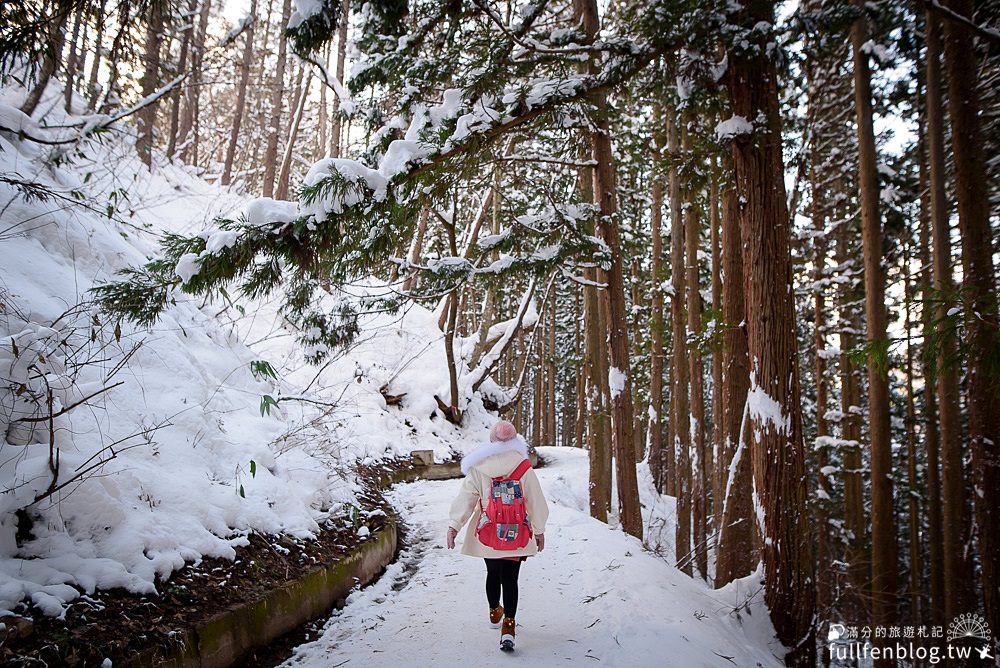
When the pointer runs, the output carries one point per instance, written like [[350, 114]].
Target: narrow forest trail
[[593, 597]]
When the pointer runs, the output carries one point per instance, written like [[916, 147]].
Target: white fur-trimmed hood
[[487, 450]]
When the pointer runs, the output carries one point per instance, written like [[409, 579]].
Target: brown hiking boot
[[507, 634], [496, 614]]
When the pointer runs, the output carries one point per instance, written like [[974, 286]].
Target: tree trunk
[[580, 420], [929, 366], [699, 478], [959, 597], [775, 435], [93, 89], [284, 175], [189, 131], [913, 485], [883, 515], [324, 109], [72, 61], [335, 131], [629, 511], [825, 572], [716, 466], [277, 95], [850, 435], [176, 96], [550, 399], [735, 557], [981, 308], [151, 80], [680, 414], [241, 96], [654, 434], [416, 249], [50, 64]]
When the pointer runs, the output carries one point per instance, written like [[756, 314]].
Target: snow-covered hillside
[[163, 450], [594, 595]]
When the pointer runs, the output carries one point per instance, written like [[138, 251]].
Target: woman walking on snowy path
[[510, 524]]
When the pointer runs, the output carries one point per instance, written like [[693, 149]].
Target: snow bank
[[165, 448]]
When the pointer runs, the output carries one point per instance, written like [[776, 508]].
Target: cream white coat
[[480, 467]]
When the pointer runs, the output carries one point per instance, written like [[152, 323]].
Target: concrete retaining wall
[[224, 639]]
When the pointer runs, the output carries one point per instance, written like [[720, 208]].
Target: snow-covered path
[[593, 597]]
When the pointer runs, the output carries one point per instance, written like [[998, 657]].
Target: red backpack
[[504, 524]]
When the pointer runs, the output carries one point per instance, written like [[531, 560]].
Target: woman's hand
[[452, 532], [540, 539]]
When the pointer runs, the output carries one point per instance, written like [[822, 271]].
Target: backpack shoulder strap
[[521, 469]]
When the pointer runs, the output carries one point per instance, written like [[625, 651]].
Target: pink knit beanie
[[502, 431]]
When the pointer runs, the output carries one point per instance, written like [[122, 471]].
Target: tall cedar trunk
[[451, 409], [637, 325], [981, 309], [680, 415], [150, 80], [824, 553], [285, 173], [580, 420], [550, 413], [913, 485], [114, 59], [717, 468], [277, 95], [623, 447], [735, 556], [416, 250], [93, 89], [699, 486], [56, 39], [850, 435], [883, 514], [776, 440], [929, 365], [678, 367], [335, 132], [597, 394], [73, 60], [954, 521], [596, 386], [175, 97], [654, 434], [536, 398], [241, 95], [324, 109], [189, 130]]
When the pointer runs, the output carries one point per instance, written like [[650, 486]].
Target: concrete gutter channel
[[224, 639]]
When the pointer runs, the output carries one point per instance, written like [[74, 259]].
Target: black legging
[[502, 574]]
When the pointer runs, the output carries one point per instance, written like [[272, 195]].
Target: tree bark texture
[[241, 96], [884, 567], [629, 511], [151, 80], [680, 414], [277, 95], [981, 309], [735, 555], [654, 431], [776, 439]]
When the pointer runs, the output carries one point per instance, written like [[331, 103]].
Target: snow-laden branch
[[950, 14]]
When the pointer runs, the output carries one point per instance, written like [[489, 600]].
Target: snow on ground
[[594, 594]]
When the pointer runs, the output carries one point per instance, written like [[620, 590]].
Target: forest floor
[[115, 624]]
